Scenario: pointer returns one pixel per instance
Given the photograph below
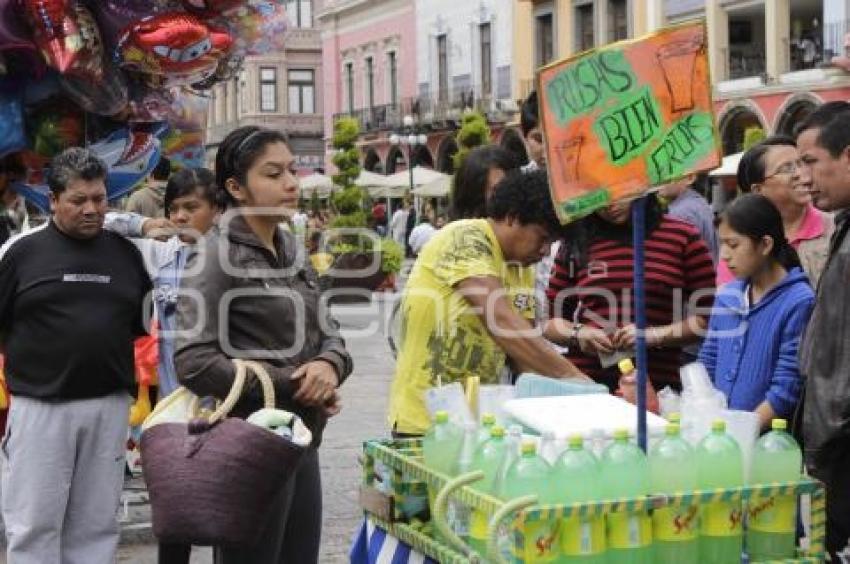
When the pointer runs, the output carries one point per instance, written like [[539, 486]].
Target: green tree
[[752, 136], [473, 132], [348, 202]]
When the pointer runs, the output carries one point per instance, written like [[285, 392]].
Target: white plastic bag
[[450, 398]]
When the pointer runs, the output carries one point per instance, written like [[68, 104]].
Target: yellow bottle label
[[478, 525], [583, 536], [773, 514], [540, 540], [721, 519], [675, 524], [629, 530]]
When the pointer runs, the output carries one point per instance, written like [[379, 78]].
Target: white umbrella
[[729, 165], [368, 179], [437, 188], [316, 183], [421, 175]]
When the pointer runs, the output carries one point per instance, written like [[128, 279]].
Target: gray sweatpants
[[63, 470]]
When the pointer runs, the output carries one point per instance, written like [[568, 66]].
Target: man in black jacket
[[824, 146], [72, 300]]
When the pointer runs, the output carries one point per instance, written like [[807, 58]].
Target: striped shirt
[[679, 270]]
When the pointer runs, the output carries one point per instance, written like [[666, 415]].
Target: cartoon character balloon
[[12, 135], [211, 7], [174, 48]]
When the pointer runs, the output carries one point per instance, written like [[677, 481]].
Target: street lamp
[[410, 137]]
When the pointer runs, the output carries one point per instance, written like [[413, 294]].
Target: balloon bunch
[[125, 77]]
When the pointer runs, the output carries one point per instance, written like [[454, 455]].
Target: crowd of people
[[757, 294], [500, 287]]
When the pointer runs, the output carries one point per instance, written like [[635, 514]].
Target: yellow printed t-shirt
[[442, 340]]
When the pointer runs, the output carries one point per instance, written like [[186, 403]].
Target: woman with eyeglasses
[[770, 169]]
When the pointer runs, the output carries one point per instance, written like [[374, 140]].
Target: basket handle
[[242, 367]]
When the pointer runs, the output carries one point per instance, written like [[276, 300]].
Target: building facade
[[279, 90], [369, 65], [769, 58], [424, 60]]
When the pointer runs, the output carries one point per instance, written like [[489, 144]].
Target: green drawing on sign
[[625, 131], [685, 143], [587, 203], [589, 83]]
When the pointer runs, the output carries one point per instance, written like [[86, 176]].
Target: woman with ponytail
[[757, 320]]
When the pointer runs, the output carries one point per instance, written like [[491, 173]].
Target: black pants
[[294, 529], [836, 476]]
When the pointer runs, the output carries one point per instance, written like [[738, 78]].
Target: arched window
[[445, 154]]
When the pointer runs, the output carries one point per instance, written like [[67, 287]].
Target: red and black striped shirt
[[600, 293]]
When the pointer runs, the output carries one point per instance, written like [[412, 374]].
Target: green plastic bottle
[[488, 421], [441, 444], [488, 458], [625, 474], [531, 475], [576, 480], [672, 470], [720, 465], [772, 520]]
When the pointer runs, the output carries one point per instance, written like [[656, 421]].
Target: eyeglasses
[[788, 168]]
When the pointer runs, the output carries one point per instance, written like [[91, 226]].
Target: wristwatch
[[574, 336]]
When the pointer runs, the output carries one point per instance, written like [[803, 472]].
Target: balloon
[[114, 16], [130, 156], [184, 143], [152, 105], [259, 27], [53, 126], [16, 40], [12, 134], [176, 48], [106, 97], [211, 7], [68, 36]]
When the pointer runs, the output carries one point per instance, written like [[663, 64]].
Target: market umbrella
[[421, 176], [729, 165], [437, 188], [318, 183]]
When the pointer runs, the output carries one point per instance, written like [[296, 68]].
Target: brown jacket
[[273, 314]]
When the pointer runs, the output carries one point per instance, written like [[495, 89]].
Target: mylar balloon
[[16, 40], [54, 126], [12, 134], [211, 7], [130, 156], [115, 16], [259, 27], [68, 36], [175, 48], [105, 97]]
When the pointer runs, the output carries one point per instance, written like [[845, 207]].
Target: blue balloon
[[12, 134]]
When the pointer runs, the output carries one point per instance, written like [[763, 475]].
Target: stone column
[[523, 46], [717, 21], [564, 28], [777, 36]]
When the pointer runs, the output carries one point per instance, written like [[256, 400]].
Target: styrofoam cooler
[[589, 415]]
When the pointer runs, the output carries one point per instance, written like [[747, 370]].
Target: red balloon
[[67, 35], [175, 47]]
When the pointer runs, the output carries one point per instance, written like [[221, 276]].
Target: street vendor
[[466, 305]]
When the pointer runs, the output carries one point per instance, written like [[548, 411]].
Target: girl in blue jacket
[[757, 320]]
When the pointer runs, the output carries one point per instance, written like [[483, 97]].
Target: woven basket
[[213, 481]]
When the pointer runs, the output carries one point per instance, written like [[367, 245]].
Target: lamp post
[[408, 136]]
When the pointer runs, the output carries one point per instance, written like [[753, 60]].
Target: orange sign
[[623, 118]]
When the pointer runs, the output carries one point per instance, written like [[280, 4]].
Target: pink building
[[369, 62]]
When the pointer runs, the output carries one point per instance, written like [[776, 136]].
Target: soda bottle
[[773, 519], [441, 445], [625, 474], [513, 443], [628, 386], [531, 475], [548, 449], [575, 476], [457, 513], [488, 458], [672, 470], [720, 465], [488, 421]]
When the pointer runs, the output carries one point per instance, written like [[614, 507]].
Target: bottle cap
[[675, 417], [576, 441], [529, 447], [488, 419], [441, 417], [626, 366], [621, 435], [779, 424], [672, 429], [718, 425], [497, 431]]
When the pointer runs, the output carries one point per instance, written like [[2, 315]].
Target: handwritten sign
[[624, 118]]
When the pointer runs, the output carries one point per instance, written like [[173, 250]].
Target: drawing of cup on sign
[[568, 153], [678, 61]]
